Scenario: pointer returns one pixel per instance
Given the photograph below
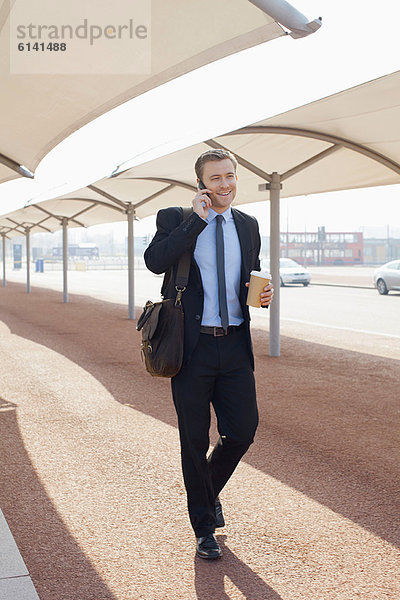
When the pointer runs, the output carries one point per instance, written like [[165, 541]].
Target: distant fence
[[85, 264]]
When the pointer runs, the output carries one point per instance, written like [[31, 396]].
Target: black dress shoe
[[207, 546], [219, 515]]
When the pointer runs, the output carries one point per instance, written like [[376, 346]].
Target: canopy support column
[[28, 259], [65, 259], [131, 268], [274, 316], [3, 235]]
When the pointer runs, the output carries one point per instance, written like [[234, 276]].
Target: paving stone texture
[[90, 475]]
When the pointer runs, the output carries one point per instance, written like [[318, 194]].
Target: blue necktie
[[223, 306]]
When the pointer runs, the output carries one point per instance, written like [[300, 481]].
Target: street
[[350, 309], [345, 317]]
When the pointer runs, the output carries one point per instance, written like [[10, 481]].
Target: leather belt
[[219, 331]]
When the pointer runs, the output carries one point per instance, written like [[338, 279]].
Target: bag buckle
[[144, 317], [178, 299]]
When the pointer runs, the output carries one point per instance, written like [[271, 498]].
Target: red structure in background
[[323, 248]]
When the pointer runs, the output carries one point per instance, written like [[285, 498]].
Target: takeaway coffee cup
[[258, 281]]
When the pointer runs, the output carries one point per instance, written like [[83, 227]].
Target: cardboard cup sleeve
[[258, 281]]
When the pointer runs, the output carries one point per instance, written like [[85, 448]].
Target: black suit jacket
[[173, 238]]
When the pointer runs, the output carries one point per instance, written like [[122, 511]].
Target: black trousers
[[219, 373]]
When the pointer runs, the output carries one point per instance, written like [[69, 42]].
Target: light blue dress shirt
[[205, 255]]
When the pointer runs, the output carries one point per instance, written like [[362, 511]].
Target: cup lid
[[263, 274]]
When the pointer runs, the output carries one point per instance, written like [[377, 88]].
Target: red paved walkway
[[91, 483]]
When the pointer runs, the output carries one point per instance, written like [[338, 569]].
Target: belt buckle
[[217, 334]]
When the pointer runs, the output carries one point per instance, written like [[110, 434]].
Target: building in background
[[368, 247], [323, 248], [83, 250], [379, 251]]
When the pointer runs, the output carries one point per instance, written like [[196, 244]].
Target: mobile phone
[[203, 187]]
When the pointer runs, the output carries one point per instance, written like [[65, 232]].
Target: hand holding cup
[[261, 290]]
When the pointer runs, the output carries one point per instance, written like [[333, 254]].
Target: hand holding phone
[[203, 187], [200, 205]]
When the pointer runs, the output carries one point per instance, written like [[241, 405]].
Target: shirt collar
[[226, 214]]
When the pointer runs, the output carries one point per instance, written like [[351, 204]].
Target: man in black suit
[[218, 360]]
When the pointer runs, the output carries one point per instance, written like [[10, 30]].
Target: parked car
[[387, 277], [290, 271]]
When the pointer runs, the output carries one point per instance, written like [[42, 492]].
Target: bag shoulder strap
[[182, 274], [187, 211]]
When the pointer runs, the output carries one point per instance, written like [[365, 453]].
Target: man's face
[[220, 178]]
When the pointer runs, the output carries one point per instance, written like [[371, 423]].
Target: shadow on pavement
[[57, 565], [329, 417], [210, 578]]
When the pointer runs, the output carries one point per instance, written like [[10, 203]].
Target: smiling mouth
[[224, 193]]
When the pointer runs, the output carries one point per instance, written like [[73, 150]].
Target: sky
[[358, 42]]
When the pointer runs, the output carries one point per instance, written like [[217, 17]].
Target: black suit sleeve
[[258, 265], [173, 238], [257, 244]]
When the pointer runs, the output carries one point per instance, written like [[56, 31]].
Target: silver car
[[387, 277], [290, 271]]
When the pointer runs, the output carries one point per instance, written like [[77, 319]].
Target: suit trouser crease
[[219, 373]]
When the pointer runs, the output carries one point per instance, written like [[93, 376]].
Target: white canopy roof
[[48, 216], [345, 141], [348, 140], [39, 111]]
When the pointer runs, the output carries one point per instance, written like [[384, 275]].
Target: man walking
[[218, 359]]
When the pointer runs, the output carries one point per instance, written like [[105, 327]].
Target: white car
[[290, 271], [387, 277]]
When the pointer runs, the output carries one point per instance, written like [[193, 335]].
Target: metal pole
[[4, 259], [274, 334], [28, 260], [287, 233], [131, 270], [65, 259]]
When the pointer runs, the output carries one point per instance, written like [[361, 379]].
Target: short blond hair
[[211, 155]]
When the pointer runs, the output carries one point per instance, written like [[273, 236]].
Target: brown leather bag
[[162, 326]]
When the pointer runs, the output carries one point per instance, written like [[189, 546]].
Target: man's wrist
[[202, 218]]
